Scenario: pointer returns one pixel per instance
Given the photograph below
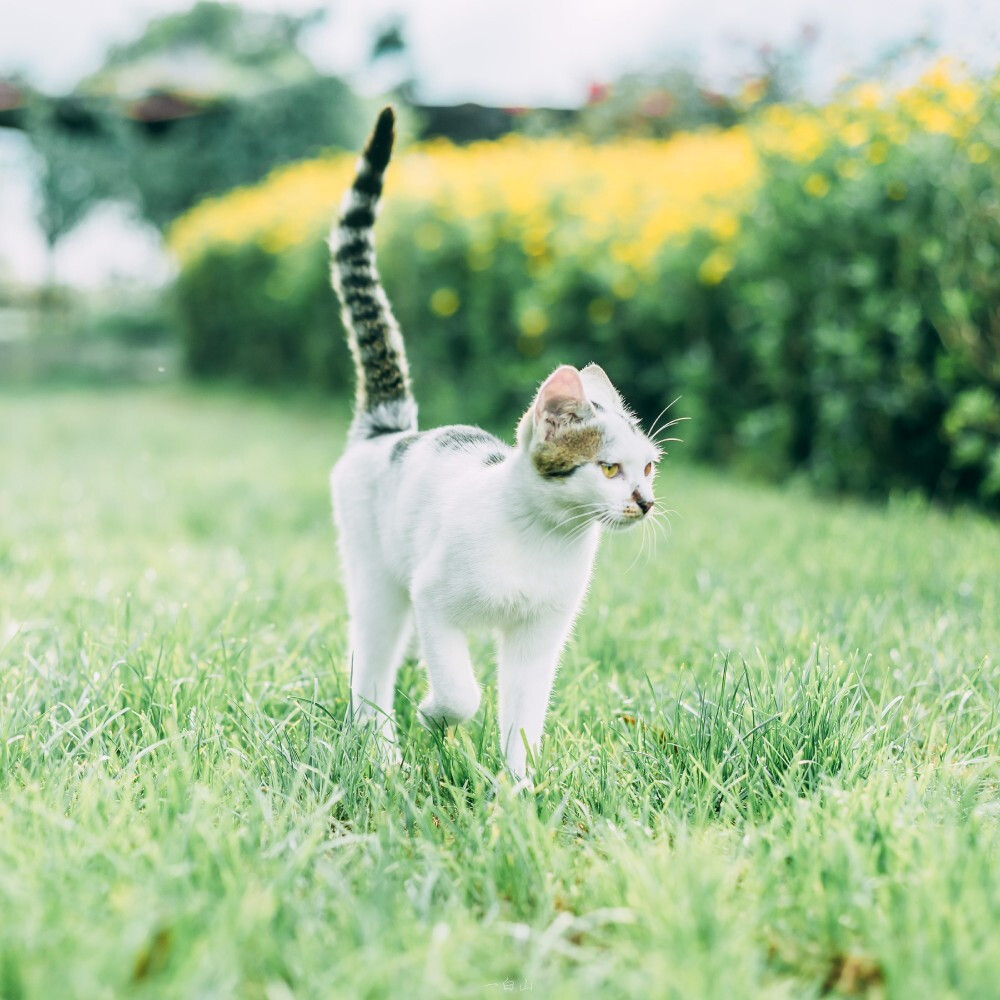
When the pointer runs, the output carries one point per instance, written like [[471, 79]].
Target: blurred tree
[[389, 40], [656, 103], [173, 164], [212, 50], [201, 102], [780, 70], [249, 37], [220, 95], [74, 141], [651, 105], [390, 58]]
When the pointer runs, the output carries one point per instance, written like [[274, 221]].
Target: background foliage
[[200, 102], [820, 284]]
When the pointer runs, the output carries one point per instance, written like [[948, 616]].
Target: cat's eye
[[649, 468], [610, 469]]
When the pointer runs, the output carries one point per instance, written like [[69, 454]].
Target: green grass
[[771, 768]]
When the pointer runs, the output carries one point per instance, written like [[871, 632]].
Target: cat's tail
[[384, 403]]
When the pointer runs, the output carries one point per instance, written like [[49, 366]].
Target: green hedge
[[869, 319], [855, 339]]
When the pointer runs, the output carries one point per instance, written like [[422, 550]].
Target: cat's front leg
[[526, 668], [454, 693]]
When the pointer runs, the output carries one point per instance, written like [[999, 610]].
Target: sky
[[504, 52]]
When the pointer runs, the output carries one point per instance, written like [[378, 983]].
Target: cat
[[452, 530]]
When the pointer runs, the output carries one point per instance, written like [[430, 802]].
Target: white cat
[[452, 530]]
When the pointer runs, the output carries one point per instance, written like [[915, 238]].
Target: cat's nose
[[644, 505]]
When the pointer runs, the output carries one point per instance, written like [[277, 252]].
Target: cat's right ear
[[561, 396], [560, 401]]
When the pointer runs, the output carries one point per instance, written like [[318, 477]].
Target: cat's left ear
[[599, 388]]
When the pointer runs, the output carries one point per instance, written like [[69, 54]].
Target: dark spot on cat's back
[[456, 438], [494, 458], [400, 448]]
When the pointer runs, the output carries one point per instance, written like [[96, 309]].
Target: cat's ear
[[599, 387], [561, 399]]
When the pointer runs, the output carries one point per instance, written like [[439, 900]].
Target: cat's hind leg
[[381, 620]]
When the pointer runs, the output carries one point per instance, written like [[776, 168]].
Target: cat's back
[[453, 447], [403, 489], [436, 458]]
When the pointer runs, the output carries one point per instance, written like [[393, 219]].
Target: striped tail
[[384, 403]]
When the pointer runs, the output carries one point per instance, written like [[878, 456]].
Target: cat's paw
[[448, 710], [510, 783], [525, 785]]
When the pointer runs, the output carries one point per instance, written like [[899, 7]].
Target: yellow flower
[[849, 169], [855, 134], [533, 321], [937, 119], [962, 97], [445, 302], [868, 96], [878, 151], [624, 285], [616, 205], [978, 152], [817, 185], [715, 267], [939, 76], [640, 194], [428, 236], [724, 226]]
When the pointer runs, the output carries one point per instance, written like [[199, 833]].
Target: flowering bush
[[820, 284]]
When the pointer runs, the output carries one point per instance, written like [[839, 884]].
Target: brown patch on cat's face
[[560, 454]]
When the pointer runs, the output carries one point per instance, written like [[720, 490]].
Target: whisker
[[566, 525], [578, 532], [670, 423], [642, 546], [656, 522], [660, 414], [658, 518], [585, 514]]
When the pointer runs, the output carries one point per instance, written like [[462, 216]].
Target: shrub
[[820, 285], [866, 293]]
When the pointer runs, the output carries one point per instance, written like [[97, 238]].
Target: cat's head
[[592, 460]]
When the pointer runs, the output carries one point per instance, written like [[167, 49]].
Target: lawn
[[771, 769]]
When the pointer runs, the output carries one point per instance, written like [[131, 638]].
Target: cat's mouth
[[622, 522]]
